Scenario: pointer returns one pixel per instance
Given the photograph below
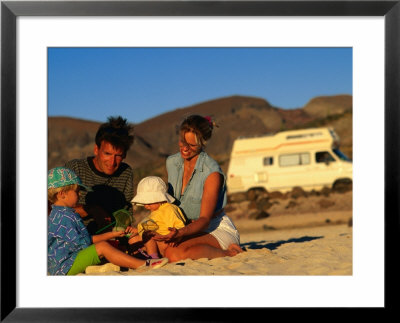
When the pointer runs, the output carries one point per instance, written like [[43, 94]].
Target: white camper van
[[309, 158]]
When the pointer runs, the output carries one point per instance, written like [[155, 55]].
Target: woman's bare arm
[[212, 187]]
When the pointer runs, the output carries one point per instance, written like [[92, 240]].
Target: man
[[110, 179]]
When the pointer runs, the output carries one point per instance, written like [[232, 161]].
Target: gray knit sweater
[[107, 186]]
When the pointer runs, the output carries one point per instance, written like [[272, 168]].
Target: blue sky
[[140, 83]]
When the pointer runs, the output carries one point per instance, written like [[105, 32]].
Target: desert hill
[[236, 116]]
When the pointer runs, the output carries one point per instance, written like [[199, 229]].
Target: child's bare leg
[[161, 247], [116, 256], [135, 239], [151, 248]]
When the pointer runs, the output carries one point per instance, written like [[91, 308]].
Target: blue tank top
[[190, 200]]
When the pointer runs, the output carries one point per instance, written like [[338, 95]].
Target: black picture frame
[[10, 10]]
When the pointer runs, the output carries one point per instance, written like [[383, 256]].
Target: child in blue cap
[[70, 247]]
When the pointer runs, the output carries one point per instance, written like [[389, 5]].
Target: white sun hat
[[152, 189]]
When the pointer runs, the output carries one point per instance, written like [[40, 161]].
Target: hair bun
[[208, 118], [210, 122]]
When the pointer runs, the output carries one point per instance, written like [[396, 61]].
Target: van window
[[294, 159], [341, 155], [268, 161], [323, 157]]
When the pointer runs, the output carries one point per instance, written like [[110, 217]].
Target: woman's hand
[[172, 238]]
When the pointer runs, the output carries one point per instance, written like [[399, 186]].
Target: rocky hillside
[[258, 204], [236, 116]]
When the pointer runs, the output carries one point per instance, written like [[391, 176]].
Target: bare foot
[[234, 249]]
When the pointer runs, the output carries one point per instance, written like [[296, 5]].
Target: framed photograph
[[28, 28]]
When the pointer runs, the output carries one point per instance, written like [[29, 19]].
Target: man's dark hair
[[117, 132]]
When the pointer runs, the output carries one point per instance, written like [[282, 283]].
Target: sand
[[303, 244]]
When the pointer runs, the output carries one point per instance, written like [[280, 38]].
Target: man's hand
[[81, 211], [131, 232]]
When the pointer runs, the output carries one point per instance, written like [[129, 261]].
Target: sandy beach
[[293, 244]]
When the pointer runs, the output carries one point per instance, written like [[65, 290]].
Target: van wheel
[[342, 185], [255, 192]]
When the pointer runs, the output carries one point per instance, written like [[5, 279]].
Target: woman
[[198, 184]]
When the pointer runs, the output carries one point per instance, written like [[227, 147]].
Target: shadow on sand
[[272, 246]]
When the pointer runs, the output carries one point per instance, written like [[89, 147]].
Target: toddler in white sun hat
[[152, 194]]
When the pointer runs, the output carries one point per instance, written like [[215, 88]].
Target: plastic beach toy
[[149, 225], [122, 220]]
